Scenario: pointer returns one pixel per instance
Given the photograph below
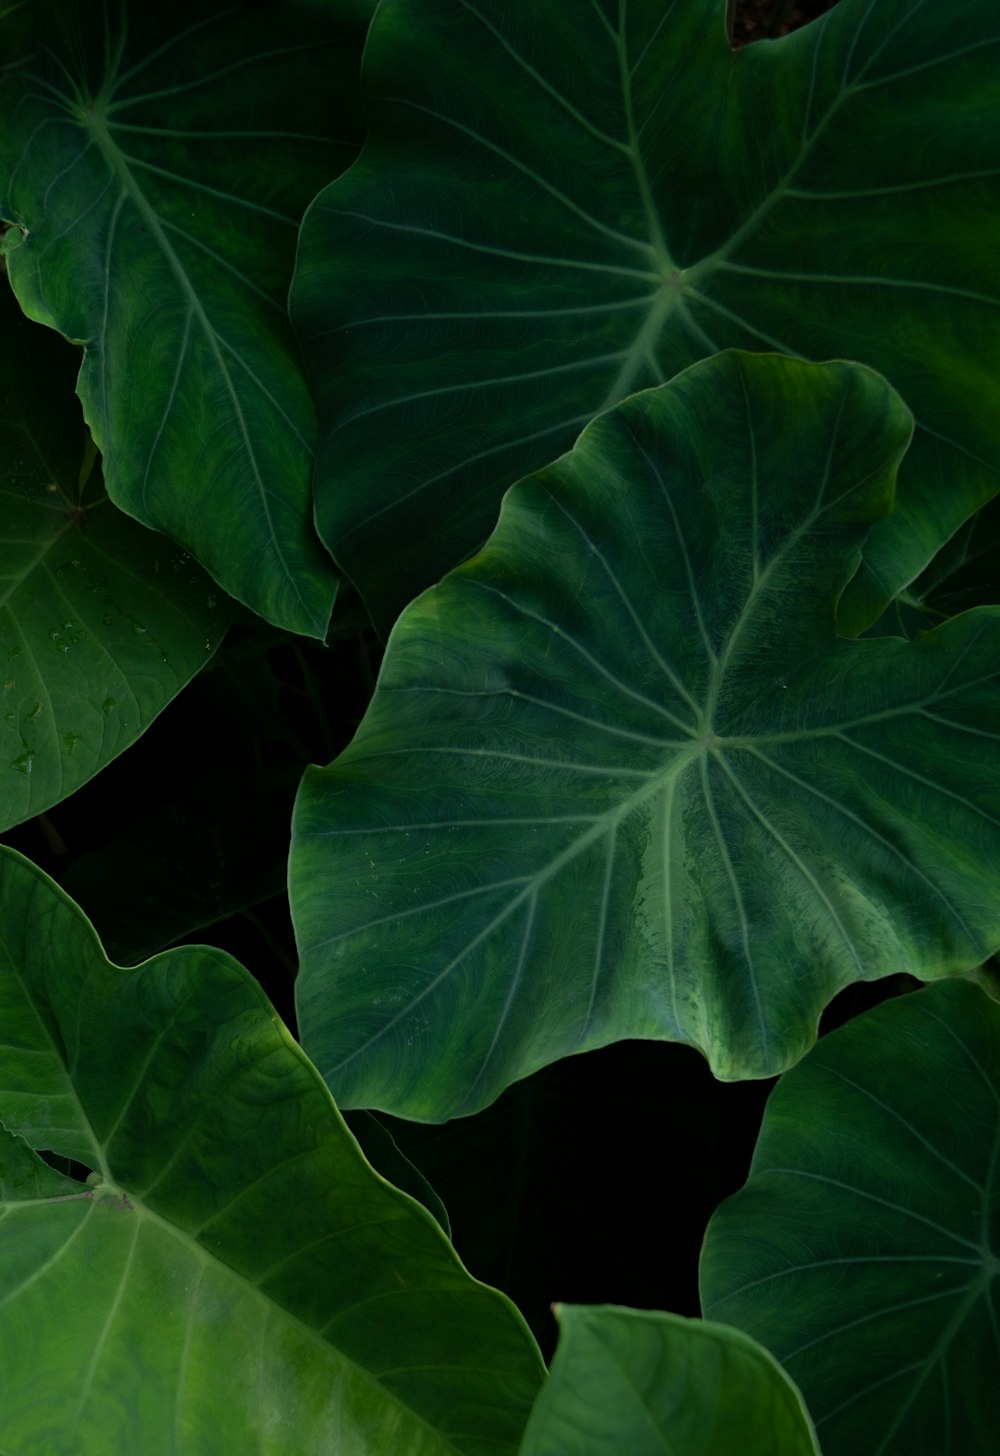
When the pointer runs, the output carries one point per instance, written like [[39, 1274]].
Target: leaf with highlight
[[233, 1276], [621, 778]]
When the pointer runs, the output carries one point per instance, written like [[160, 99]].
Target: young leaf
[[156, 162], [648, 1383], [620, 777], [561, 204], [102, 621], [232, 1276], [865, 1248]]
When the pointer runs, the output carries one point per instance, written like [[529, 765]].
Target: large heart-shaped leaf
[[102, 621], [233, 1277], [864, 1250], [156, 163], [621, 778], [560, 204], [648, 1383]]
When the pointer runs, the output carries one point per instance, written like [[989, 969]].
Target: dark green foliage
[[630, 388]]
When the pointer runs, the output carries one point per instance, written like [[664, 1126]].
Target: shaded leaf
[[232, 1276], [156, 163], [380, 1148], [535, 1183], [620, 778], [561, 204], [966, 573], [863, 1251], [102, 621], [648, 1383]]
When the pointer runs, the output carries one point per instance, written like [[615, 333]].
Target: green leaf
[[561, 204], [102, 621], [24, 1176], [232, 1276], [156, 162], [648, 1383], [620, 778], [966, 573], [865, 1248], [380, 1148]]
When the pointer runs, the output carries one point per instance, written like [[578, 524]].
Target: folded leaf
[[620, 777], [864, 1251], [233, 1276], [560, 204]]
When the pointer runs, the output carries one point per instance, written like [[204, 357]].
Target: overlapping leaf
[[648, 1383], [233, 1277], [156, 163], [102, 621], [864, 1250], [621, 778], [560, 204]]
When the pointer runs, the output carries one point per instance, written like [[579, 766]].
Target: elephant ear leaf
[[647, 1383], [561, 204], [155, 162], [232, 1275], [102, 621], [621, 778], [864, 1250]]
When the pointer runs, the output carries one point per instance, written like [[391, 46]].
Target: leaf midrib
[[97, 128], [208, 1261]]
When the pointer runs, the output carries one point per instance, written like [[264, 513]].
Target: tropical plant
[[639, 392]]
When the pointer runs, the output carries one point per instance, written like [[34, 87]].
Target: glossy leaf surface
[[648, 1383], [234, 1277], [102, 621], [561, 204], [864, 1250], [156, 162], [620, 777]]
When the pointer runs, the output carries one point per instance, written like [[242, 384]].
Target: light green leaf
[[102, 621], [865, 1248], [233, 1276], [560, 204], [636, 1381], [24, 1176], [620, 778], [156, 162]]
